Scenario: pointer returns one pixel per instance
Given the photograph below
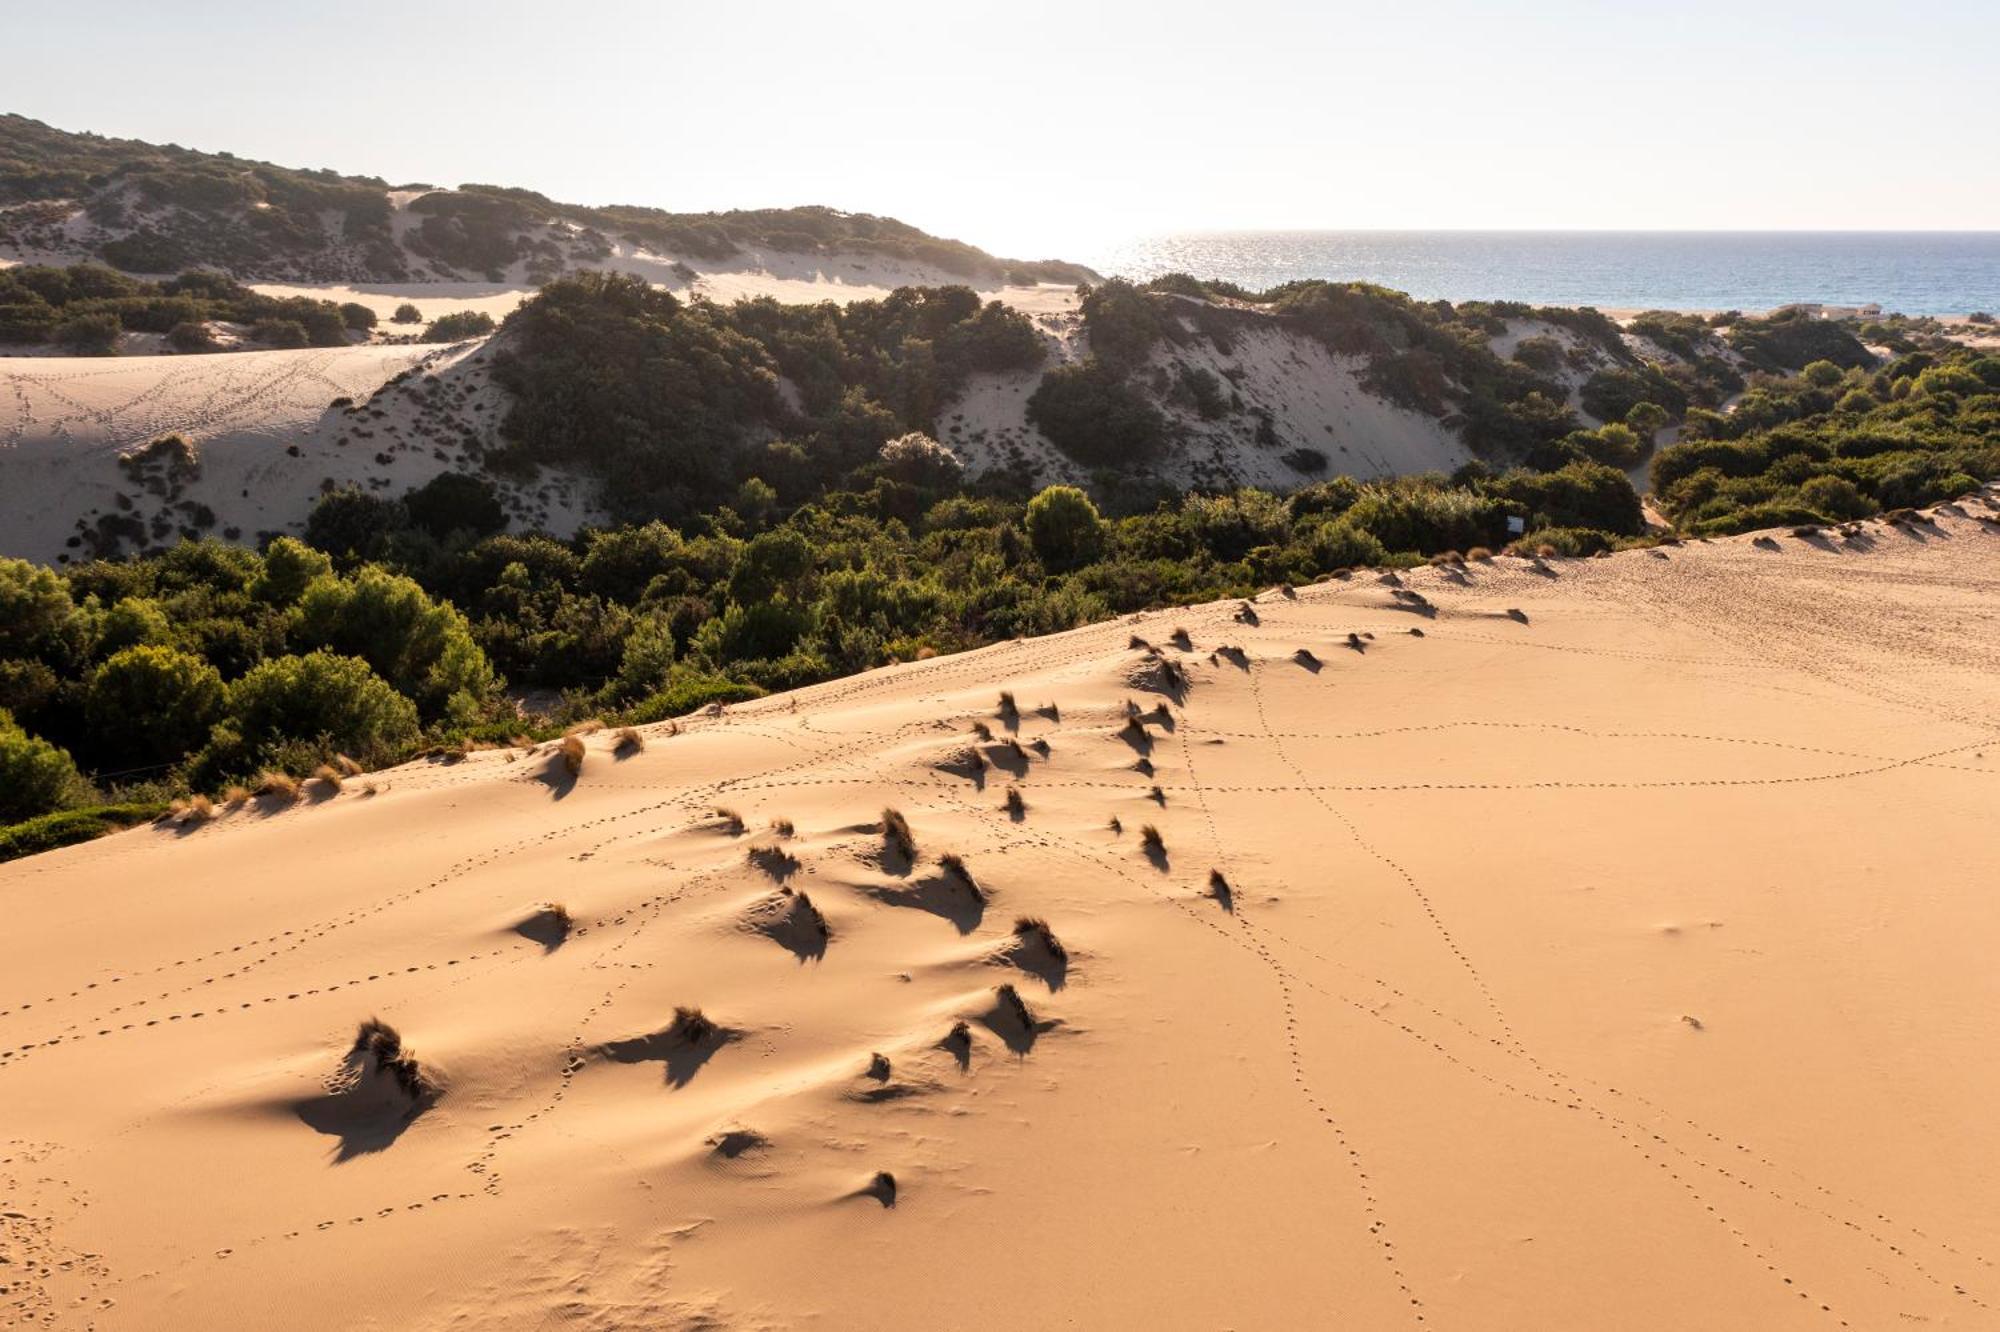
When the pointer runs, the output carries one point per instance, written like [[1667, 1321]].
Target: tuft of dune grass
[[572, 754], [1035, 929], [278, 785], [629, 741], [896, 831]]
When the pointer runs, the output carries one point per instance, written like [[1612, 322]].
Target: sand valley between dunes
[[1600, 944]]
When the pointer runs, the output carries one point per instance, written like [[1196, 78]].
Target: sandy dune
[[1615, 953], [272, 433]]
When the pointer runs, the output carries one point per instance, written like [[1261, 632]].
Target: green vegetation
[[616, 378], [46, 832], [172, 208], [459, 324], [208, 664], [85, 308], [1833, 443]]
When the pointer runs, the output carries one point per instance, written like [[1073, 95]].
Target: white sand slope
[[269, 435], [1616, 953]]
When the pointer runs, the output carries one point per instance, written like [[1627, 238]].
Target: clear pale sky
[[1034, 128]]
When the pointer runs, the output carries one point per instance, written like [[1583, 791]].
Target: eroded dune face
[[1603, 943]]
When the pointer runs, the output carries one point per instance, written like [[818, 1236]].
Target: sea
[[1910, 272]]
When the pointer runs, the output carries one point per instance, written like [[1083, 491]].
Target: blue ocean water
[[1914, 272]]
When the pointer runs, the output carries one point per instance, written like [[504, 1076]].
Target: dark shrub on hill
[[1064, 528], [89, 334], [1089, 413], [459, 324], [455, 502], [281, 333], [1610, 394], [1791, 339], [407, 313]]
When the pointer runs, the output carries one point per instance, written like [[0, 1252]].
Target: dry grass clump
[[1034, 929], [811, 916], [1009, 709], [783, 827], [236, 796], [384, 1044], [982, 730], [1040, 745], [1480, 553], [1157, 796], [1149, 838], [572, 754], [348, 767], [878, 1066], [1305, 657], [328, 776], [629, 741], [1051, 711], [1012, 1004], [896, 831], [591, 727], [882, 1188], [953, 865], [1219, 889], [731, 820], [1137, 644], [1015, 805], [692, 1027], [1117, 825], [275, 784], [1181, 639]]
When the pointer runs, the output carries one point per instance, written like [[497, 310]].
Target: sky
[[1037, 129]]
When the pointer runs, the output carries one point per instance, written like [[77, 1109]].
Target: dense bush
[[86, 308], [459, 324], [1064, 528], [35, 776], [151, 704], [1092, 415], [320, 703], [1830, 444], [612, 376]]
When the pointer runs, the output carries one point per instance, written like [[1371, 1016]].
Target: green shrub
[[283, 334], [459, 324], [1089, 413], [1836, 498], [66, 828], [456, 502], [35, 776], [1064, 528], [424, 648], [331, 703], [407, 313], [89, 334], [152, 705]]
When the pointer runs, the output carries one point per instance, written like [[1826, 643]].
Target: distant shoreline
[[1941, 275]]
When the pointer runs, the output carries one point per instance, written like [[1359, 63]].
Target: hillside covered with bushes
[[154, 209], [400, 624]]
